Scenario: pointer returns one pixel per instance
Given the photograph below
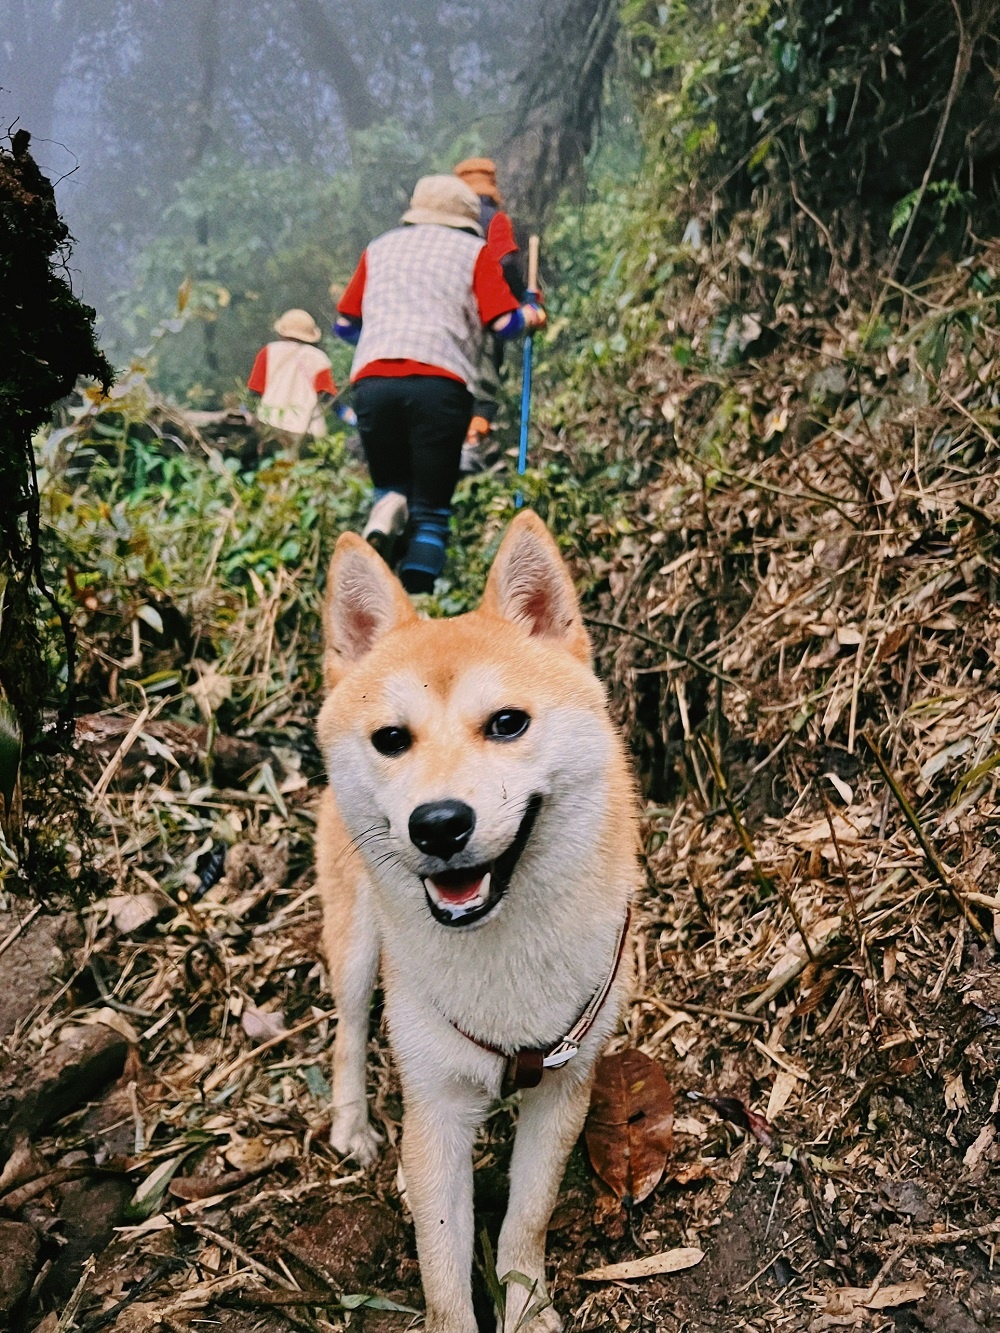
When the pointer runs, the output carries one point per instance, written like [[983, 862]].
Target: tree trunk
[[44, 38], [46, 340], [203, 132], [208, 62], [327, 51], [559, 107]]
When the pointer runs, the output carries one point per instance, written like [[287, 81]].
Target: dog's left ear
[[530, 585], [364, 601]]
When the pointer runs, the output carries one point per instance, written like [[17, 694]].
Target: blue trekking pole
[[529, 344]]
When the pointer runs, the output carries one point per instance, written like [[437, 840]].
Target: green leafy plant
[[497, 1287], [945, 196]]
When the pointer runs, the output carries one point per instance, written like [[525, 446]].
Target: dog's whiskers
[[384, 859], [354, 845]]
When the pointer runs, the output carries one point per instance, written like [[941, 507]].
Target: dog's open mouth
[[460, 897]]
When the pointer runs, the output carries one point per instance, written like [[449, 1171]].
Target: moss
[[46, 343]]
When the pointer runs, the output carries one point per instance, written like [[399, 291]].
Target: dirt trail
[[191, 1157]]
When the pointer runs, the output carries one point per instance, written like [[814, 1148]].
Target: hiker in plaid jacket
[[418, 307]]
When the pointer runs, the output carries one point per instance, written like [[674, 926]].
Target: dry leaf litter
[[816, 943]]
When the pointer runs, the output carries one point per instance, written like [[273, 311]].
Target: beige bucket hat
[[298, 324], [446, 201]]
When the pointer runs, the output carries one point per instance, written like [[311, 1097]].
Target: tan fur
[[521, 976]]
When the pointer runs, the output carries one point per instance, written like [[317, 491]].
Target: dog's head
[[448, 742]]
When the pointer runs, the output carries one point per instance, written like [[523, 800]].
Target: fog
[[251, 147]]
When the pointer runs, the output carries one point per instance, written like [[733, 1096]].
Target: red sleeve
[[323, 383], [353, 298], [493, 295], [258, 376], [500, 237]]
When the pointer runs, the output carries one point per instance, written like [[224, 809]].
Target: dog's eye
[[392, 740], [507, 725]]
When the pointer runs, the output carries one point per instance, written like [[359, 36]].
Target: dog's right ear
[[530, 585], [364, 600]]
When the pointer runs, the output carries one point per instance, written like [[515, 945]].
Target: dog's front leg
[[439, 1129], [549, 1123], [352, 946]]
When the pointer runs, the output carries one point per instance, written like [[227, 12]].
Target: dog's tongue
[[458, 886]]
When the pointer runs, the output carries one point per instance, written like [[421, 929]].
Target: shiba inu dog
[[478, 837]]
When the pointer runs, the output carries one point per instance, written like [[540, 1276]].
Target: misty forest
[[763, 430]]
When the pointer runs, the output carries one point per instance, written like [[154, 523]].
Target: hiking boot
[[474, 449], [417, 580], [471, 460], [386, 523]]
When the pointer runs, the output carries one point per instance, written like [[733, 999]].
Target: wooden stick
[[781, 1062], [953, 1237], [262, 1270], [675, 1006], [115, 762], [666, 648], [862, 951], [764, 881], [533, 247], [839, 932], [21, 925]]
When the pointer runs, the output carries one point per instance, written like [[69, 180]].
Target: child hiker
[[417, 307], [292, 375]]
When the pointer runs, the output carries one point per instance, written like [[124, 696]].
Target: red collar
[[526, 1066]]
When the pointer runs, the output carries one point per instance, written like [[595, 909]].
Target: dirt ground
[[158, 1119], [801, 641]]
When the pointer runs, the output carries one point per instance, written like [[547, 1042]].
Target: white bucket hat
[[446, 201], [298, 324]]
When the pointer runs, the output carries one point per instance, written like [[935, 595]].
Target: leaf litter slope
[[808, 559], [809, 577]]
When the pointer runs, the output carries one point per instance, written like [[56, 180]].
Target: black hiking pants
[[412, 429]]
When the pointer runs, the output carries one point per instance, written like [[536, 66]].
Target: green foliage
[[821, 117], [270, 240], [182, 553], [944, 195], [497, 1287], [247, 242]]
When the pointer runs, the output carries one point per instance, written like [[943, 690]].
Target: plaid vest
[[419, 303], [289, 401]]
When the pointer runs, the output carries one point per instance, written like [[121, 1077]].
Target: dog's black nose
[[442, 828]]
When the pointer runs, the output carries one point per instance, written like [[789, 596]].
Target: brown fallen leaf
[[900, 1293], [690, 1172], [130, 912], [257, 1154], [609, 1215], [262, 1025], [784, 1085], [650, 1265], [204, 1187], [844, 1300], [629, 1130]]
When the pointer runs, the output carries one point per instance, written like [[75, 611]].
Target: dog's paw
[[546, 1321], [457, 1318], [353, 1135]]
